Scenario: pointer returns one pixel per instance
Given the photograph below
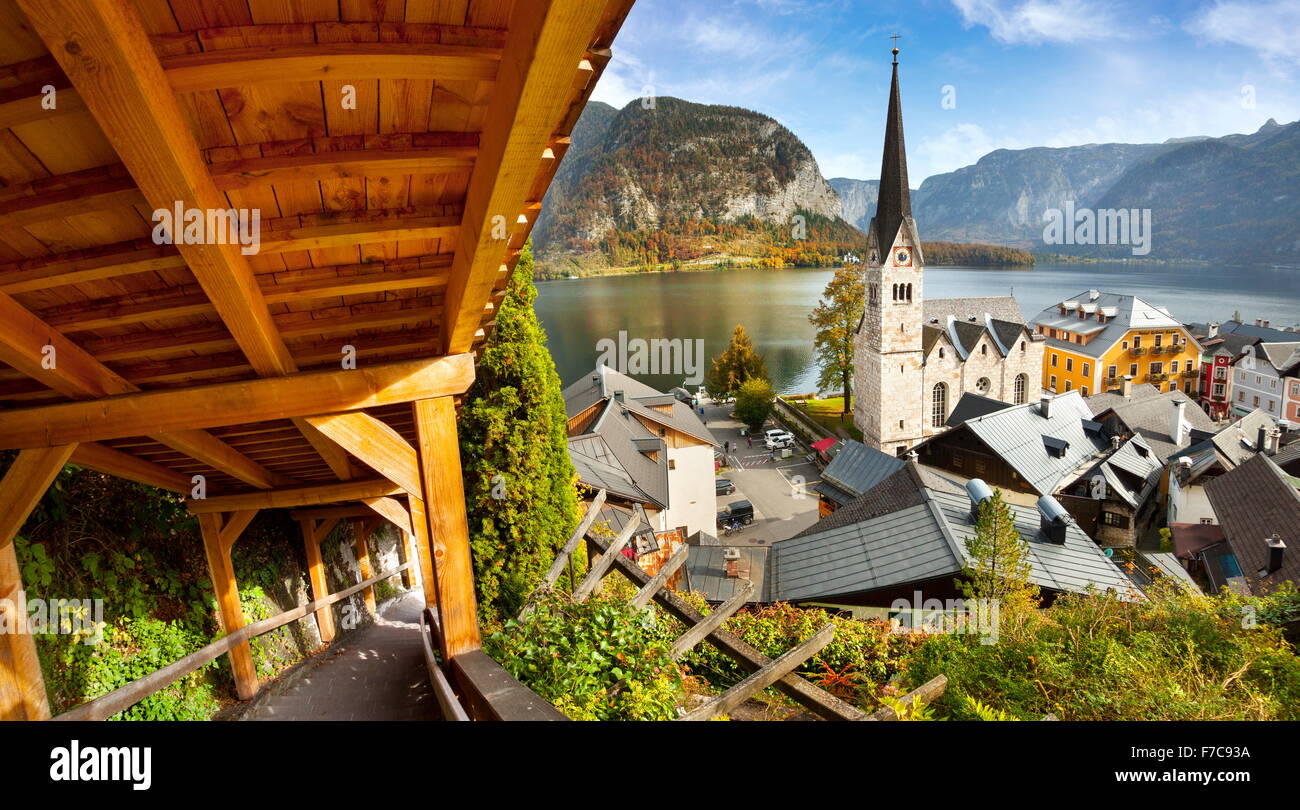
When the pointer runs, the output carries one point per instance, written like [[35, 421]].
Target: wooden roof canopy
[[397, 153]]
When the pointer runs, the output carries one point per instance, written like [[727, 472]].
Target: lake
[[773, 305]]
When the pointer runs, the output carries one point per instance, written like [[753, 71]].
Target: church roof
[[1002, 308], [894, 202]]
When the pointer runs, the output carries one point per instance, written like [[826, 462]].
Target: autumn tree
[[754, 402], [836, 318], [735, 366], [519, 480]]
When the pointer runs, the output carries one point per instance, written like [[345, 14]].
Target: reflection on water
[[773, 305]]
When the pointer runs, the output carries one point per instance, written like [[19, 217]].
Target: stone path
[[376, 674]]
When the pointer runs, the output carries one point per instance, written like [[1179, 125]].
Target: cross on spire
[[896, 38]]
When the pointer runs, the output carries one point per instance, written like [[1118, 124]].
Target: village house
[[1258, 510], [1219, 350], [914, 358], [1164, 420], [1096, 338], [855, 469], [909, 533], [1267, 376], [644, 448]]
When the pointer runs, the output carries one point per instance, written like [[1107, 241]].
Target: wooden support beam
[[326, 512], [336, 458], [390, 510], [300, 496], [236, 403], [817, 700], [424, 554], [648, 591], [545, 43], [376, 444], [22, 687], [326, 61], [925, 693], [231, 614], [104, 49], [24, 339], [571, 545], [444, 499], [601, 565], [69, 202], [763, 678], [255, 172], [133, 468], [705, 627], [312, 535], [361, 546], [347, 234]]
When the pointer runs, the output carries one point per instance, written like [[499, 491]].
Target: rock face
[[857, 200], [638, 169]]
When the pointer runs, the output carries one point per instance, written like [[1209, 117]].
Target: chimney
[[978, 492], [1053, 519], [1261, 439], [1045, 407], [1265, 323], [1275, 549], [1213, 331], [1126, 386], [1115, 442], [1259, 322], [731, 558], [1178, 421], [1093, 295], [1273, 441]]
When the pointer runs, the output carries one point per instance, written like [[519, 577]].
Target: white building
[[643, 447], [1260, 378]]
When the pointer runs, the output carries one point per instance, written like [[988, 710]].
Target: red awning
[[824, 445]]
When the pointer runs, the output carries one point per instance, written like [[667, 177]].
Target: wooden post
[[22, 687], [216, 544], [312, 535], [408, 555], [361, 544], [424, 551], [444, 500]]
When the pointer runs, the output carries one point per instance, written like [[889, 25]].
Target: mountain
[[684, 182], [1222, 199]]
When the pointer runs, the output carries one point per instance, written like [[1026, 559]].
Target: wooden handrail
[[447, 700], [105, 706]]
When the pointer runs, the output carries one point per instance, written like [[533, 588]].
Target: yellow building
[[1096, 339]]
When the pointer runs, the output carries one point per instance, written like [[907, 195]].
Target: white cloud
[[1014, 21], [1271, 28], [625, 78], [951, 149]]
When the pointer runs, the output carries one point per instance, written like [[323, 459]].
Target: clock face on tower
[[903, 257]]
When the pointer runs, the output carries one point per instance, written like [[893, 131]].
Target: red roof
[[824, 445]]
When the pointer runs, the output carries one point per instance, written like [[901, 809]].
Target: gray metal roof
[[1002, 308], [1016, 434], [706, 571], [1238, 442], [857, 468], [973, 405], [1100, 403], [925, 538], [1130, 312], [1132, 472], [1168, 565], [1152, 417], [599, 468]]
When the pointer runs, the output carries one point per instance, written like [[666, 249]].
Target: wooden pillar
[[361, 544], [424, 551], [218, 538], [312, 535], [444, 500], [408, 555], [22, 687]]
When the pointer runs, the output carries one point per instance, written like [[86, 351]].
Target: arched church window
[[1022, 382], [938, 405], [909, 292], [984, 349]]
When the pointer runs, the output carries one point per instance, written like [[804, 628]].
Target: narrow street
[[781, 491]]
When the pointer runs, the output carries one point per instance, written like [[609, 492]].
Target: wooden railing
[[105, 706]]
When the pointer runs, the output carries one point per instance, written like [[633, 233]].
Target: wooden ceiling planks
[[363, 206]]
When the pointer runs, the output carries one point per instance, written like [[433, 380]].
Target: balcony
[[1138, 351]]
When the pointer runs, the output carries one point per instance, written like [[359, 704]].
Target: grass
[[827, 413]]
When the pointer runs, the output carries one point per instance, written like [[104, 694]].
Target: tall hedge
[[519, 481]]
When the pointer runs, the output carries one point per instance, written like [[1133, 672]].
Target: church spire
[[895, 202]]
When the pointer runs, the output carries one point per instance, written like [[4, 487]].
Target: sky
[[976, 75]]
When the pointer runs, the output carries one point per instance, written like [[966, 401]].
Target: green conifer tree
[[519, 481]]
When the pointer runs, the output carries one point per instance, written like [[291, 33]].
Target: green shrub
[[598, 660]]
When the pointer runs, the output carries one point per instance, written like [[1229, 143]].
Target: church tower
[[887, 375]]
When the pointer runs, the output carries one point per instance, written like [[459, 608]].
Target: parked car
[[778, 435], [742, 511], [724, 486], [778, 443]]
